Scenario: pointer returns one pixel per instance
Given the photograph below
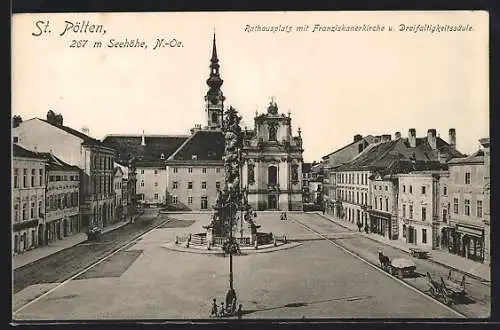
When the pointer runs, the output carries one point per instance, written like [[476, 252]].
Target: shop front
[[380, 223], [469, 242]]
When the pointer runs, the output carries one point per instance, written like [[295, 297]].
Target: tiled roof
[[477, 157], [206, 145], [396, 156], [19, 151], [86, 139], [56, 164], [129, 146], [365, 138]]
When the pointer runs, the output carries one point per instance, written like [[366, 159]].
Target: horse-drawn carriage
[[397, 266], [449, 290]]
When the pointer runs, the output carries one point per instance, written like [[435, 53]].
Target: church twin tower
[[272, 156]]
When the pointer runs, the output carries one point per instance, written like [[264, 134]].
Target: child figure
[[214, 308]]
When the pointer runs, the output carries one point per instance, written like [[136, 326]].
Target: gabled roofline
[[171, 157], [348, 145]]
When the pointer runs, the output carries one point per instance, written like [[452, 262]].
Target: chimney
[[386, 137], [143, 139], [452, 140], [397, 135], [412, 137], [431, 138], [357, 138]]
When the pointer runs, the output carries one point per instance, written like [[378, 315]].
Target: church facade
[[272, 162]]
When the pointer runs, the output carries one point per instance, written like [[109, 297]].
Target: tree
[[55, 119], [16, 120]]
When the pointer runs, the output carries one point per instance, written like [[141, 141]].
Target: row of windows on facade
[[34, 212], [203, 201], [424, 234], [26, 181], [61, 201], [467, 210], [190, 170], [102, 163], [348, 196], [350, 178], [104, 183], [53, 178]]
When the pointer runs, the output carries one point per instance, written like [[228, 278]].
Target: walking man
[[214, 308]]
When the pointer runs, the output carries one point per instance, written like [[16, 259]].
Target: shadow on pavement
[[303, 304]]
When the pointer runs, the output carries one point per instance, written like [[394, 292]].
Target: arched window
[[251, 175], [272, 175], [404, 230], [272, 133], [215, 119]]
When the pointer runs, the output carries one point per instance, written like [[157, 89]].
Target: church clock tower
[[214, 100]]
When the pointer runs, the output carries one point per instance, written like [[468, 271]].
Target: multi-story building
[[127, 189], [420, 207], [28, 199], [196, 171], [77, 149], [118, 187], [148, 155], [355, 195], [335, 159], [466, 185], [62, 206], [306, 177], [383, 212], [485, 142]]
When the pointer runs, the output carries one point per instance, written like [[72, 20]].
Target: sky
[[336, 84]]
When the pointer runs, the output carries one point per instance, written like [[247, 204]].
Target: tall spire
[[214, 51], [214, 81]]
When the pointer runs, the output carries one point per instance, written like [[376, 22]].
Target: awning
[[470, 231]]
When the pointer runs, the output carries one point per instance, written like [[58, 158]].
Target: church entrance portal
[[272, 202]]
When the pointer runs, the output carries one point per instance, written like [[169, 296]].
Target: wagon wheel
[[445, 299]]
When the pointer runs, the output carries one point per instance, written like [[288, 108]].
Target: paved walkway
[[457, 263], [56, 246]]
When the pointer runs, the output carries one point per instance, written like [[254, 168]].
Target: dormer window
[[162, 156], [194, 157]]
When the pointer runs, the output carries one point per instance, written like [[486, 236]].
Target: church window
[[272, 175], [214, 118], [272, 133]]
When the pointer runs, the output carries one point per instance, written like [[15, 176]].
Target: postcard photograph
[[250, 165]]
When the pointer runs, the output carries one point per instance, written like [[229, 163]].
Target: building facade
[[272, 163], [383, 213], [62, 200], [467, 178], [118, 187], [358, 200], [485, 143], [28, 199], [77, 149], [334, 160], [421, 208]]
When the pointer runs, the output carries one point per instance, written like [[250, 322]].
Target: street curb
[[71, 246], [250, 251], [476, 277]]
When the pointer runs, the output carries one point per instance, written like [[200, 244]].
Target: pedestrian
[[214, 308], [284, 216], [222, 310], [239, 312]]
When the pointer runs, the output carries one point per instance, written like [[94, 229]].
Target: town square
[[165, 194]]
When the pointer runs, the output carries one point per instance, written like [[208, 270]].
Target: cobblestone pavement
[[314, 280]]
